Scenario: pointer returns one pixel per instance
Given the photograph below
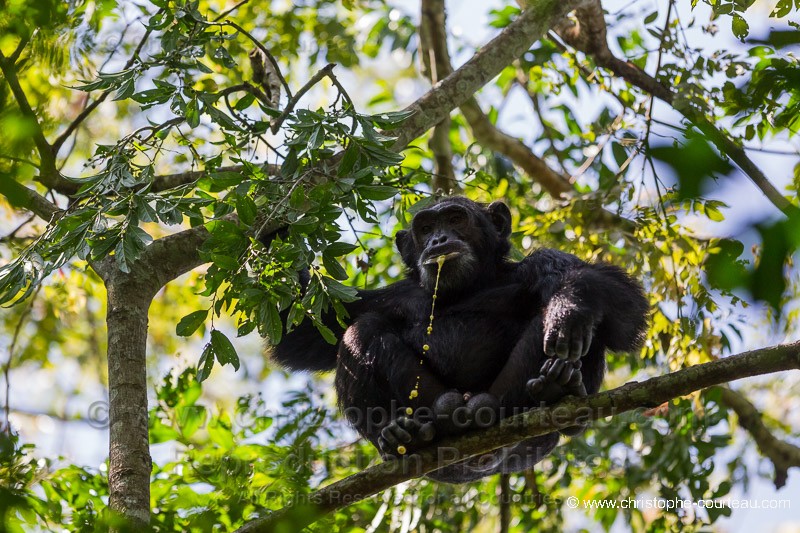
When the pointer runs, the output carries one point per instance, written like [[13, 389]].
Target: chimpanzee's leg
[[376, 382]]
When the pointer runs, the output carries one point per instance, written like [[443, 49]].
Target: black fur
[[506, 336]]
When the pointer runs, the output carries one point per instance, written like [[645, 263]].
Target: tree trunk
[[129, 446]]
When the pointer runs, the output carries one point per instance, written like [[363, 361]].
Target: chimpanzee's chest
[[471, 338]]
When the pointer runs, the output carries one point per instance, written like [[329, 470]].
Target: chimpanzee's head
[[472, 238]]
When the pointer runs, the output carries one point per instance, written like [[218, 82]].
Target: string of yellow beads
[[425, 347]]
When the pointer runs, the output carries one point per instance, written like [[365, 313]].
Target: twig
[[11, 347], [589, 36], [323, 73], [343, 93], [229, 11], [782, 454], [266, 53], [83, 115], [23, 42], [247, 87], [11, 235]]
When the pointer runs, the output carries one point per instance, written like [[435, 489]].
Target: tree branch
[[22, 197], [429, 110], [83, 115], [588, 35], [170, 181], [482, 128], [324, 71], [649, 393], [46, 153], [487, 63], [435, 66], [782, 454]]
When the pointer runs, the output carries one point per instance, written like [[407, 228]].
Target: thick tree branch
[[649, 393], [782, 454], [487, 63], [588, 35], [429, 110], [170, 181], [482, 128], [129, 462], [22, 197], [435, 66]]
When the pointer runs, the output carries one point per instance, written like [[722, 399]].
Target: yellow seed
[[426, 347], [409, 411], [401, 450], [413, 395], [430, 330]]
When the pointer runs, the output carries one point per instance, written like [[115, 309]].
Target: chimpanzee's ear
[[405, 245], [501, 218], [400, 239]]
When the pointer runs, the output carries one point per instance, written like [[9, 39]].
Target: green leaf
[[723, 267], [190, 419], [619, 153], [325, 331], [226, 179], [270, 319], [244, 102], [349, 159], [305, 224], [337, 249], [333, 267], [342, 292], [206, 363], [739, 27], [246, 209], [714, 214], [190, 323], [192, 113], [390, 120], [225, 261], [376, 192], [224, 349], [694, 163]]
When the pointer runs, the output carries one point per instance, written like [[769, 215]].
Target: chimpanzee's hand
[[568, 330], [404, 435]]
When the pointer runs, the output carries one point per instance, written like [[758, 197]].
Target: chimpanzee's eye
[[426, 229], [456, 219]]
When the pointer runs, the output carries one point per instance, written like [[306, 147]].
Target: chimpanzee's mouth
[[436, 258]]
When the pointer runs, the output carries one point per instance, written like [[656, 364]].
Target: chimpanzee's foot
[[559, 378]]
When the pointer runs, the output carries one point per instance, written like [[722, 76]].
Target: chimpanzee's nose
[[439, 239]]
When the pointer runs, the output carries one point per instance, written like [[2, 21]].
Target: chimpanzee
[[505, 336]]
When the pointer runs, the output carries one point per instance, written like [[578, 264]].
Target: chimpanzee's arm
[[304, 348], [579, 295]]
